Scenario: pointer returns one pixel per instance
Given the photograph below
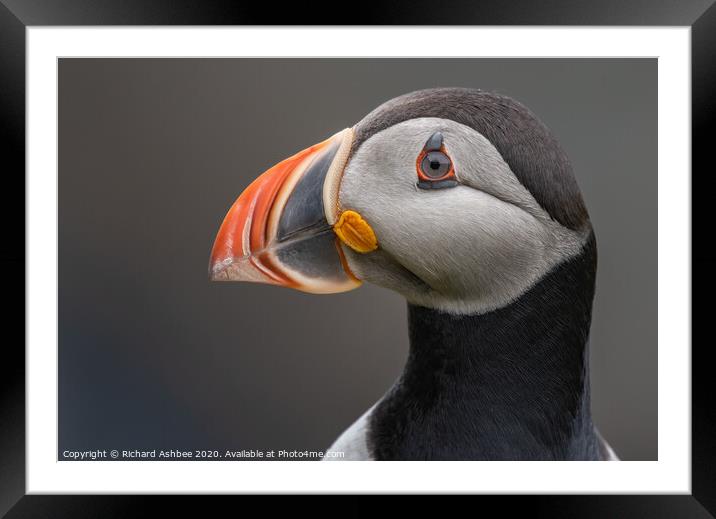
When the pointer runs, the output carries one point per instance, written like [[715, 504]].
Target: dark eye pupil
[[435, 164]]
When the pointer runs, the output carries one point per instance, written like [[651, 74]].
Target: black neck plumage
[[512, 384]]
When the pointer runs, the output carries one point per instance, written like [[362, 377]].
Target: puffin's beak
[[278, 230]]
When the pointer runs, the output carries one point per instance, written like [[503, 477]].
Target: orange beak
[[278, 230]]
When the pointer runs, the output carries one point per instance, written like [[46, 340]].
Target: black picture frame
[[16, 15]]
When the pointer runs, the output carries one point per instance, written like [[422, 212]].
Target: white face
[[471, 248]]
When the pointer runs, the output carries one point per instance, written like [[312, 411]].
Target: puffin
[[462, 201]]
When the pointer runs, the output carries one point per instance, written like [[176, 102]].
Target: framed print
[[191, 318]]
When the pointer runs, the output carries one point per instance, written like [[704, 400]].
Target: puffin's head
[[456, 198]]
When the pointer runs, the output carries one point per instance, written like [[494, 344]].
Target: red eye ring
[[425, 181]]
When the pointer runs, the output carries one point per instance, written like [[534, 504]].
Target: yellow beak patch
[[355, 232]]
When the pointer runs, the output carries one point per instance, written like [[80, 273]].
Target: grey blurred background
[[152, 152]]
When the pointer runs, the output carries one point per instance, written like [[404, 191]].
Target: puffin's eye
[[435, 169], [435, 164]]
